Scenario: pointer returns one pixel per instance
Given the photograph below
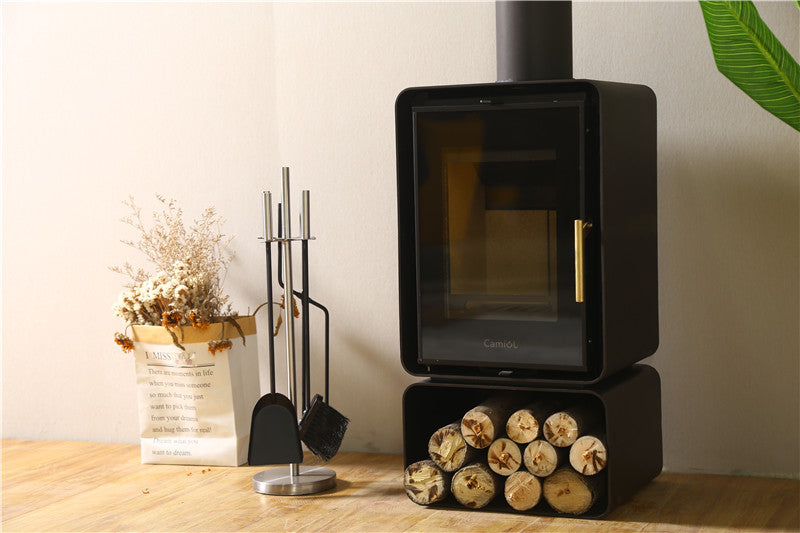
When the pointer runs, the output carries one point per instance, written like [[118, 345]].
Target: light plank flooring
[[85, 486]]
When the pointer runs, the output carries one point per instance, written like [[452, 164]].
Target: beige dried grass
[[190, 266]]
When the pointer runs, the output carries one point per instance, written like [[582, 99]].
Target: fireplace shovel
[[274, 435]]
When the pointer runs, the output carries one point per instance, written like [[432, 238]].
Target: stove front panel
[[498, 189]]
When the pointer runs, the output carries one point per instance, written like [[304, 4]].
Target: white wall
[[205, 102], [101, 101]]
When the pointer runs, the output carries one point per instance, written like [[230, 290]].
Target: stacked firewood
[[541, 450]]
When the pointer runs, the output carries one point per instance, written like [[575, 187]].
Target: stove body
[[527, 229]]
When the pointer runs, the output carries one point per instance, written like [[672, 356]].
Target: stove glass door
[[498, 191]]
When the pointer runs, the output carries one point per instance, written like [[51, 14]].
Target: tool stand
[[293, 479]]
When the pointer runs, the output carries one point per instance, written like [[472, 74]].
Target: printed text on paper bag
[[175, 396]]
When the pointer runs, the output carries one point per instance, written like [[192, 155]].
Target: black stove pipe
[[534, 40]]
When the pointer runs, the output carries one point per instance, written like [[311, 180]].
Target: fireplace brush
[[322, 427]]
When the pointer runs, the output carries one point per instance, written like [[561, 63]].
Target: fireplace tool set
[[275, 434]]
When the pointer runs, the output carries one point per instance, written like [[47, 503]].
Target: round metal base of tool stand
[[283, 481]]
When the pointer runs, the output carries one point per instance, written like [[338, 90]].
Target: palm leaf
[[748, 53]]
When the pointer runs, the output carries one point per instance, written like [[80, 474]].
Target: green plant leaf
[[748, 53]]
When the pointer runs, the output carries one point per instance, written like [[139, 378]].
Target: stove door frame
[[518, 166]]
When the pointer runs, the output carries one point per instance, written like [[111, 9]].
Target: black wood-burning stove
[[527, 218], [527, 227]]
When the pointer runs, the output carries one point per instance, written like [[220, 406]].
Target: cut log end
[[485, 422], [522, 426], [504, 457], [425, 483], [588, 455], [448, 449], [540, 458], [478, 429], [522, 491], [570, 492], [561, 429], [474, 486]]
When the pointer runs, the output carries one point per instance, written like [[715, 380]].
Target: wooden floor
[[72, 486]]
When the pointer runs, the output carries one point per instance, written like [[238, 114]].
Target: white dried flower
[[190, 267]]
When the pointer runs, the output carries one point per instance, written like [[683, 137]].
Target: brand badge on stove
[[500, 344]]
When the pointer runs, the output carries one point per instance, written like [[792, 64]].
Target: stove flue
[[534, 40]]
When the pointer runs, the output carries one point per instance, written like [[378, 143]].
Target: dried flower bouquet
[[186, 288]]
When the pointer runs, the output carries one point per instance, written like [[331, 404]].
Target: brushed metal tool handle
[[288, 292], [267, 211], [581, 228], [305, 216], [288, 286]]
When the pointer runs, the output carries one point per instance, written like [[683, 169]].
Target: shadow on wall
[[729, 248], [374, 407]]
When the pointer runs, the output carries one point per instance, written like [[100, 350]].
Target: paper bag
[[194, 406]]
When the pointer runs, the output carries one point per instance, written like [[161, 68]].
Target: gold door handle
[[581, 228]]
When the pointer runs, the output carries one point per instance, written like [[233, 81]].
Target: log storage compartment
[[602, 444]]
